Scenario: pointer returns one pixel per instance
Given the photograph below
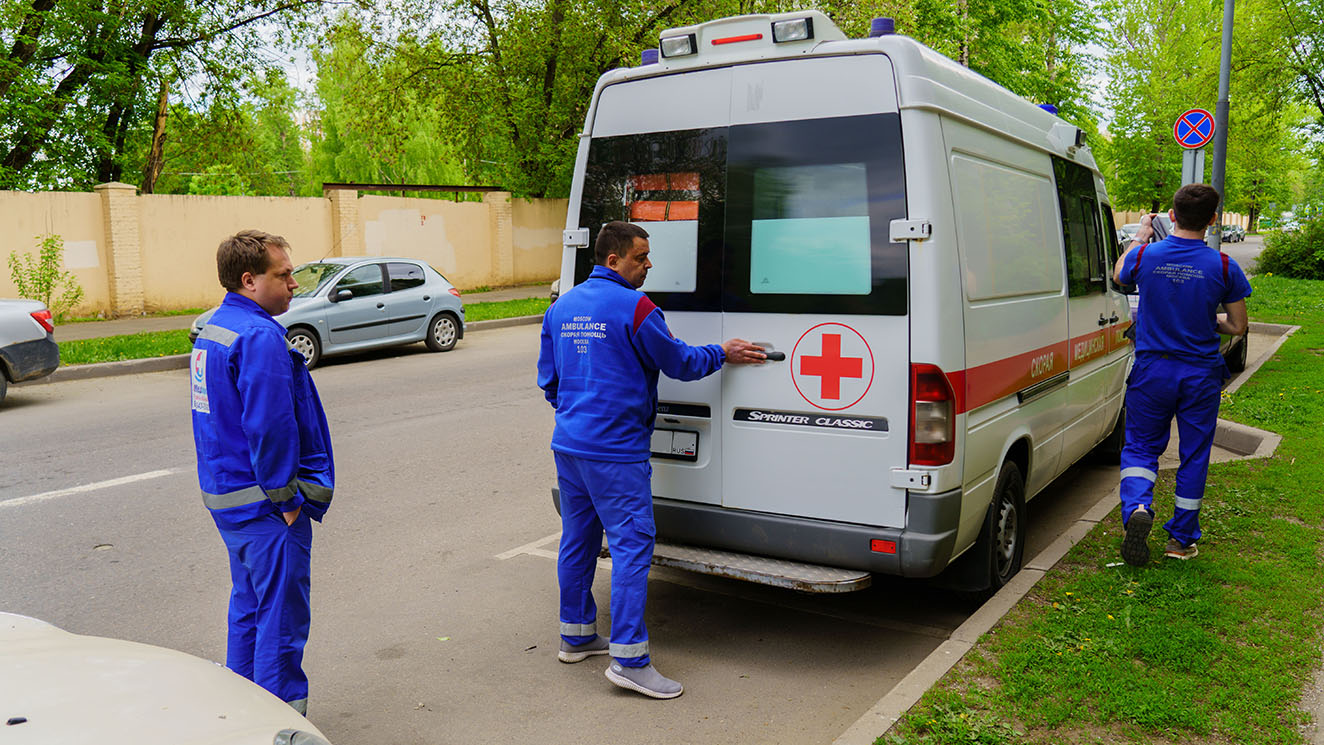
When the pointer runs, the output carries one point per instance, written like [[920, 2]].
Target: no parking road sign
[[1194, 129]]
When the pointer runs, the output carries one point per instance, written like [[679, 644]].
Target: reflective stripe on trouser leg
[[269, 603], [1149, 409], [623, 500], [577, 556], [1197, 420]]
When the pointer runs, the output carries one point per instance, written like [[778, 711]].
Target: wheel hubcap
[[1006, 546], [444, 331], [303, 345]]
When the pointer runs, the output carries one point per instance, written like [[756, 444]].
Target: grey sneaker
[[572, 653], [1175, 550], [1135, 546], [646, 680]]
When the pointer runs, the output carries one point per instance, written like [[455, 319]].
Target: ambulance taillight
[[932, 417]]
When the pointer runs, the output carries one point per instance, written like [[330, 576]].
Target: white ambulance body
[[928, 251]]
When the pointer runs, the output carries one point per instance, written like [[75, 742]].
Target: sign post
[[1193, 130]]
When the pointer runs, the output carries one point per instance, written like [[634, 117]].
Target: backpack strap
[[1225, 260], [1139, 255]]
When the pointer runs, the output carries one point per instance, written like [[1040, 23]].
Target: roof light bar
[[648, 57], [737, 39], [797, 29], [678, 46]]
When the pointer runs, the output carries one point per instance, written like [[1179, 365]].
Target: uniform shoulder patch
[[641, 312]]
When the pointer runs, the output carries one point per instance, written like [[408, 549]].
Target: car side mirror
[[341, 295]]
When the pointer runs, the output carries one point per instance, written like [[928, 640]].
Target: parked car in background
[[354, 304], [1233, 234], [58, 688], [1127, 232], [27, 342], [556, 289]]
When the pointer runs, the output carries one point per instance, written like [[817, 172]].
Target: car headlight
[[297, 737]]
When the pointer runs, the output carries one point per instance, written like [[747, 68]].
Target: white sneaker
[[646, 680]]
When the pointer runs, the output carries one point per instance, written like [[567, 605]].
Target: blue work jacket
[[603, 344], [262, 440]]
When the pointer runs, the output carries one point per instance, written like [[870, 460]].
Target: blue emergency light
[[881, 27]]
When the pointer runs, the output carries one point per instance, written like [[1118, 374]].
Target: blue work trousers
[[270, 564], [1159, 389], [618, 498]]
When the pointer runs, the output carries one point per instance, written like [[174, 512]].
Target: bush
[[41, 277], [1298, 253]]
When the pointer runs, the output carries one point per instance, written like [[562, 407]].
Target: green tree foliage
[[517, 78], [80, 76], [42, 277], [247, 141], [380, 118]]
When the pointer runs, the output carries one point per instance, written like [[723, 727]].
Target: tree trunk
[[156, 156]]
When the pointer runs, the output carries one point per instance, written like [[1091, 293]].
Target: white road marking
[[33, 499], [534, 547]]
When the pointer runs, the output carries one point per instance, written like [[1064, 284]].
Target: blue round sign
[[1194, 129]]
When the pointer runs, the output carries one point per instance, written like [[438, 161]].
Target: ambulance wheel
[[1236, 359], [1110, 450], [443, 332], [305, 342], [4, 385], [1003, 537]]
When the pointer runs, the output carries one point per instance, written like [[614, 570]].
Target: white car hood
[[82, 689]]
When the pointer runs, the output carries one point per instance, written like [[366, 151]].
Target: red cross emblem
[[837, 376]]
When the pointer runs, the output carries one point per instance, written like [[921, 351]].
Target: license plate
[[675, 444]]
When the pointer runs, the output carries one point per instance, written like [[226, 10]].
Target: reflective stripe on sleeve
[[244, 496], [315, 492], [222, 336], [283, 494], [578, 629], [1140, 473], [1187, 504], [626, 651]]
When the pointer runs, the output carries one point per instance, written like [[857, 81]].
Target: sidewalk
[[100, 329]]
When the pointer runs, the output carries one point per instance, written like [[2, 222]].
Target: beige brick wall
[[134, 253]]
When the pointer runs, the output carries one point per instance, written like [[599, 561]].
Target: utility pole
[[1220, 121]]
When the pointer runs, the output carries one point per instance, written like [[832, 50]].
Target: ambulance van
[[925, 255]]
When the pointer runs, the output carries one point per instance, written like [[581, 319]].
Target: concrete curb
[[1247, 442], [180, 361]]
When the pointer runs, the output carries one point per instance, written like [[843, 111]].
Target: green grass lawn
[[164, 343], [1213, 650]]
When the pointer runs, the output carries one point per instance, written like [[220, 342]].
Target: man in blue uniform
[[1178, 370], [264, 461], [603, 344]]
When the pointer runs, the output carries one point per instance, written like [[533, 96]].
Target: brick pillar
[[346, 226], [119, 209], [500, 213]]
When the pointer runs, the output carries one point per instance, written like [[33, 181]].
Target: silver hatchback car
[[354, 304]]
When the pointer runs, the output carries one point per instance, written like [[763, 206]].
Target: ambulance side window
[[1080, 229]]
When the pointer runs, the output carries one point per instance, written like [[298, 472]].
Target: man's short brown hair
[[1194, 205], [616, 237], [245, 251]]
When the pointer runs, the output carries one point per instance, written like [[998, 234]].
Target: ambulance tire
[[1109, 451], [1003, 538]]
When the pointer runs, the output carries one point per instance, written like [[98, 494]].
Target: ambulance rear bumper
[[923, 548]]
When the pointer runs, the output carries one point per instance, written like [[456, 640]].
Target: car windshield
[[312, 276]]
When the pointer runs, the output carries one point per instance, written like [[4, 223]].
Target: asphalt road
[[434, 616]]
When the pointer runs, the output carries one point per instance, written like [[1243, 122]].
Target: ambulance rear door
[[814, 179], [657, 159]]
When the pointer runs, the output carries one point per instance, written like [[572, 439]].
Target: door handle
[[1114, 318], [381, 305], [1102, 321], [776, 356], [427, 298]]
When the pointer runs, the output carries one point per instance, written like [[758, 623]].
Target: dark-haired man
[[603, 345], [1178, 369], [264, 461]]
